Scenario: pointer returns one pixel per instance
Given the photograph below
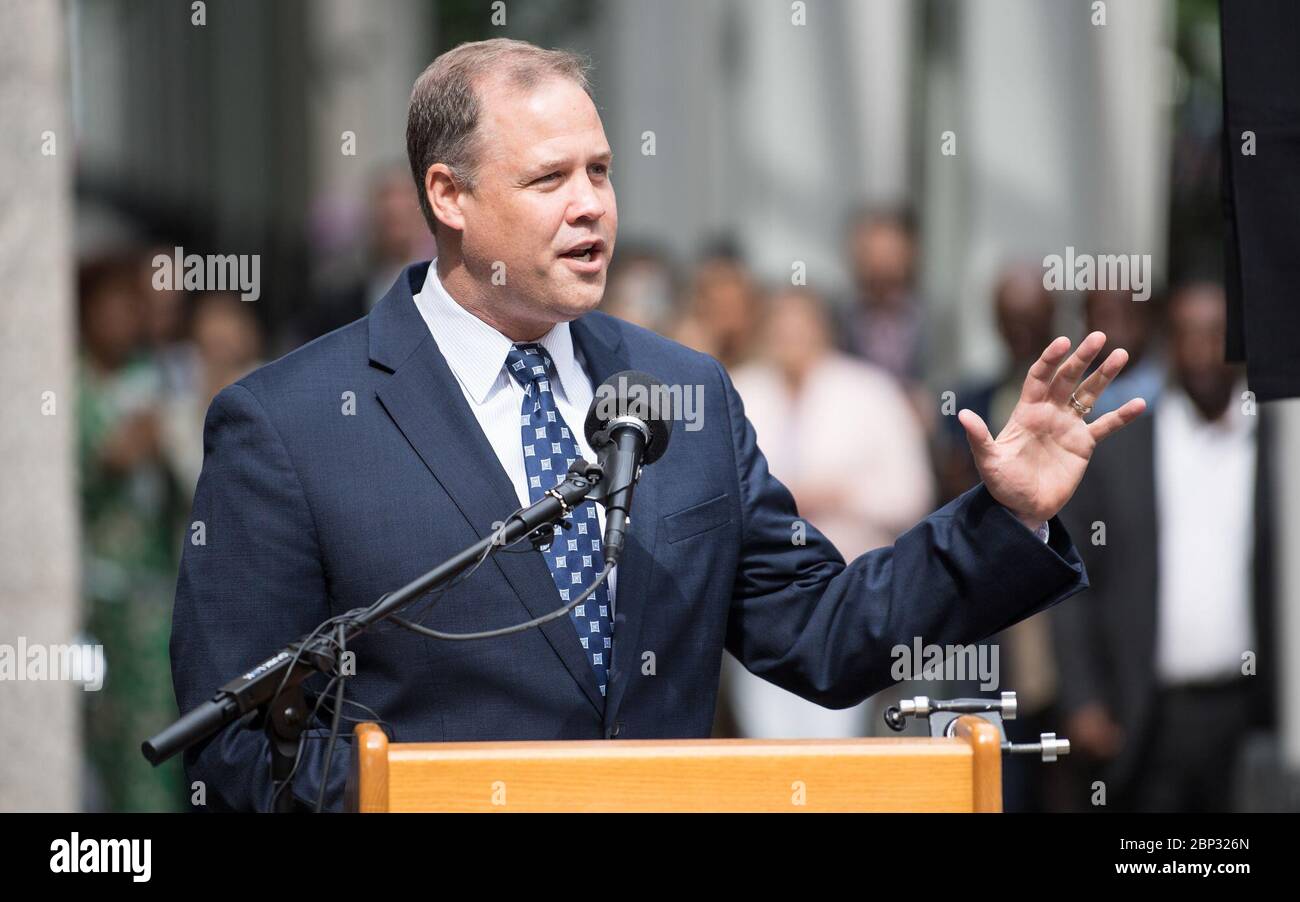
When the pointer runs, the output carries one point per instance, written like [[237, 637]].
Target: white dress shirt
[[1205, 505], [476, 354]]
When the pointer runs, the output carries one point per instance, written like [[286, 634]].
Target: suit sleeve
[[825, 630], [254, 584]]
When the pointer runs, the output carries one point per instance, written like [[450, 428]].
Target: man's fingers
[[1039, 378], [1117, 419], [977, 432], [1094, 385], [1068, 376]]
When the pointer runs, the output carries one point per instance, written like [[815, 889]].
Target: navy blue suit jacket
[[309, 512]]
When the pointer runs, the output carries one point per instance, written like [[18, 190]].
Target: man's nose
[[586, 202]]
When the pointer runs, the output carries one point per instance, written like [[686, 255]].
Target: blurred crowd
[[842, 392], [150, 361]]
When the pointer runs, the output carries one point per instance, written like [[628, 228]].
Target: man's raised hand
[[1034, 465]]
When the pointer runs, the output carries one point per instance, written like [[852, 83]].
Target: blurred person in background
[[1127, 324], [823, 419], [165, 331], [1025, 313], [228, 341], [395, 236], [641, 288], [720, 308], [129, 504], [883, 321], [1169, 660]]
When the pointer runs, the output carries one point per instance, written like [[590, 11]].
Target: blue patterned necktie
[[574, 555]]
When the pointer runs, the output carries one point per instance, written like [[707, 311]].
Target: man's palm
[[1036, 462]]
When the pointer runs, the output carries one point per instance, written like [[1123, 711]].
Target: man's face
[[1198, 324], [543, 188], [882, 261], [1024, 316], [1123, 320], [796, 332]]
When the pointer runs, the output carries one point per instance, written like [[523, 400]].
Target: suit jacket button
[[614, 730]]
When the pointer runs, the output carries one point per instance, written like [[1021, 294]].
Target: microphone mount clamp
[[942, 717]]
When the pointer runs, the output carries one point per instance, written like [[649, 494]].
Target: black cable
[[341, 621], [334, 721], [341, 645], [508, 630], [433, 595], [270, 709], [389, 730], [297, 759]]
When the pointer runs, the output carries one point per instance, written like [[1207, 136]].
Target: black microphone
[[628, 426]]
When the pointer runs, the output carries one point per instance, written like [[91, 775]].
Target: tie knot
[[530, 365]]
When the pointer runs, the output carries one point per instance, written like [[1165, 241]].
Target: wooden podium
[[904, 774]]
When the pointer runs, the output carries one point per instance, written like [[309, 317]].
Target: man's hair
[[442, 124]]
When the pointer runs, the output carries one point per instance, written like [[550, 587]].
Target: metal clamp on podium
[[942, 717]]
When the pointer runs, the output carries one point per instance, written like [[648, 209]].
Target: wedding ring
[[1083, 411]]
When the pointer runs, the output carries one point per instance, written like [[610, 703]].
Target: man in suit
[[354, 464], [1166, 662]]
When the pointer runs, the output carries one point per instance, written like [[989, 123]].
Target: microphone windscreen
[[634, 394]]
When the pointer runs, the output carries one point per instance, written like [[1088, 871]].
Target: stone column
[[40, 742]]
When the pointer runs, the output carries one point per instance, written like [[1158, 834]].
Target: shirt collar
[[475, 351]]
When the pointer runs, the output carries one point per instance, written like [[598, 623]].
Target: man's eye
[[601, 168], [549, 177]]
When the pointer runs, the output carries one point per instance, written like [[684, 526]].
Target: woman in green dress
[[130, 510]]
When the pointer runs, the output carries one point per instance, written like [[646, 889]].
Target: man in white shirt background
[[1167, 663]]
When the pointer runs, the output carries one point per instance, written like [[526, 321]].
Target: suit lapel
[[426, 403], [601, 344]]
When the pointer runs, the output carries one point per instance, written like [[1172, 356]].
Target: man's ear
[[444, 195]]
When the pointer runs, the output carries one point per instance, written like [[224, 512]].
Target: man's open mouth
[[586, 251]]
